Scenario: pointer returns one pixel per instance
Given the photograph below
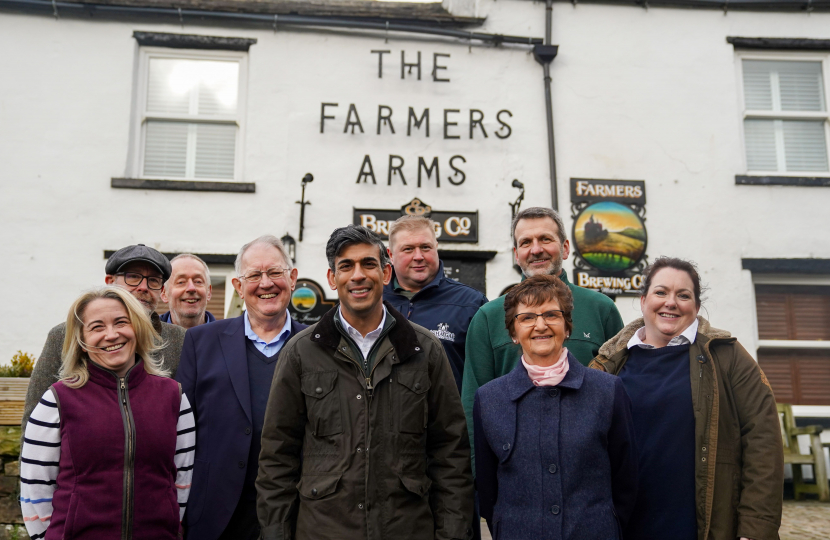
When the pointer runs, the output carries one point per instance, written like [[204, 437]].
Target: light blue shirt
[[272, 347]]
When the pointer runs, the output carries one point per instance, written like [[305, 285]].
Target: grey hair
[[350, 235], [195, 258], [268, 240], [539, 212]]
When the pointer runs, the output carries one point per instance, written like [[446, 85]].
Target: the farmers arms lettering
[[451, 124]]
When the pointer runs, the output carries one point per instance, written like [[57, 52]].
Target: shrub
[[21, 366]]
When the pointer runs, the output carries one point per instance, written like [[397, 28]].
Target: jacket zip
[[129, 464]]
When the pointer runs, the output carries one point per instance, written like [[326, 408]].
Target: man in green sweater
[[540, 246]]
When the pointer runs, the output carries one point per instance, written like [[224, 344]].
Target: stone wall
[[11, 521]]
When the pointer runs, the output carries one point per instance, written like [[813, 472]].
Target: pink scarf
[[548, 375]]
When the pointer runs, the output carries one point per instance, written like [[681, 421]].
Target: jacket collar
[[402, 335], [435, 283], [156, 320], [616, 349], [109, 379], [519, 383]]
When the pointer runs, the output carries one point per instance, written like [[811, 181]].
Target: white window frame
[[745, 114], [141, 116]]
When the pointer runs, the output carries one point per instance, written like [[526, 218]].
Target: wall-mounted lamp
[[514, 206], [302, 202], [290, 246]]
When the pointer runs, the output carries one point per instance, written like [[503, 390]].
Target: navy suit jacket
[[213, 372]]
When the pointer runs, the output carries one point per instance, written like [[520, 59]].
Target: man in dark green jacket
[[540, 246], [364, 434]]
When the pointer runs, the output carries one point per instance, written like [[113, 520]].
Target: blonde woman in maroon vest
[[108, 451]]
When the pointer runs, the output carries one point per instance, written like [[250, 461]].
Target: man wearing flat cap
[[142, 271]]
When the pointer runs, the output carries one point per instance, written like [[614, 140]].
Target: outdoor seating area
[[793, 456]]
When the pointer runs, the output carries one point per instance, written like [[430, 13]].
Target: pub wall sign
[[449, 226], [609, 235]]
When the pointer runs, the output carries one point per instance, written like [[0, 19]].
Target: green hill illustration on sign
[[610, 236]]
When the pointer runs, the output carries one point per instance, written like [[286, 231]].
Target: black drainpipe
[[545, 54]]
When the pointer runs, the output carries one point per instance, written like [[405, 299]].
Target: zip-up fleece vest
[[117, 477]]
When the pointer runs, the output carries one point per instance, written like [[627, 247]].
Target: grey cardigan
[[45, 373]]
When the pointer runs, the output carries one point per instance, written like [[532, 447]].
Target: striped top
[[40, 460]]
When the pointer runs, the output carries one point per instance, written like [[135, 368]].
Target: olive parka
[[349, 457], [739, 461]]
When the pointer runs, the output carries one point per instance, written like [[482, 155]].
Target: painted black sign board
[[450, 226]]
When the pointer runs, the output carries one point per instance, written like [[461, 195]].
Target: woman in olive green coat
[[732, 479]]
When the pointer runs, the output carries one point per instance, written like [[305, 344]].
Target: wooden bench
[[793, 455]]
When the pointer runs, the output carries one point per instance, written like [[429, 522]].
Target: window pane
[[760, 145], [783, 86], [215, 150], [179, 86], [801, 88], [804, 146], [757, 87], [165, 149]]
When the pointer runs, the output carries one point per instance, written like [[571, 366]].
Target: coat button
[[247, 431], [506, 446], [241, 464], [554, 510], [417, 386], [317, 336], [359, 450], [554, 392], [360, 505], [318, 390], [417, 348], [359, 396], [552, 469], [314, 491]]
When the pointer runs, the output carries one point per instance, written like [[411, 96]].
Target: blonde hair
[[411, 223], [74, 371]]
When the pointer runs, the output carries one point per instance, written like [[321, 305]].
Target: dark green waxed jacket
[[348, 458], [739, 461]]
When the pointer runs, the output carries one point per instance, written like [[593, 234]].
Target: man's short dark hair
[[539, 212], [350, 235]]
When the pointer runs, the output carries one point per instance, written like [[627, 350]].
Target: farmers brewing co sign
[[609, 235], [449, 226]]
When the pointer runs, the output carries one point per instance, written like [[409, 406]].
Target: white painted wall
[[638, 94]]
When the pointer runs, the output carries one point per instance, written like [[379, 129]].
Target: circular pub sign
[[610, 236]]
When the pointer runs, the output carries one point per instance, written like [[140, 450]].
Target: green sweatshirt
[[491, 353]]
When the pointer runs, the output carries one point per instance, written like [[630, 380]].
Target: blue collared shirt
[[272, 347]]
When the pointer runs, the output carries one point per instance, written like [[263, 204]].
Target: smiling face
[[539, 250], [414, 255], [266, 300], [148, 297], [108, 335], [187, 292], [541, 343], [668, 306], [358, 278]]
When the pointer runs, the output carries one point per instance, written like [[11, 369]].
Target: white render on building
[[638, 94]]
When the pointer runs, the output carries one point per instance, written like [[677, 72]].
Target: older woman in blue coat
[[555, 451]]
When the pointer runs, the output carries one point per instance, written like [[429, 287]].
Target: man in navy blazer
[[226, 370]]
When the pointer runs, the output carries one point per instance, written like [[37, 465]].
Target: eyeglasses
[[552, 318], [255, 276], [134, 280]]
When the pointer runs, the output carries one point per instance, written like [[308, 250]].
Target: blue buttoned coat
[[555, 462]]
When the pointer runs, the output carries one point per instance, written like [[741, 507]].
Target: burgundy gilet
[[104, 491]]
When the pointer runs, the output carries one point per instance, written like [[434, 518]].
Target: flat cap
[[139, 253]]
